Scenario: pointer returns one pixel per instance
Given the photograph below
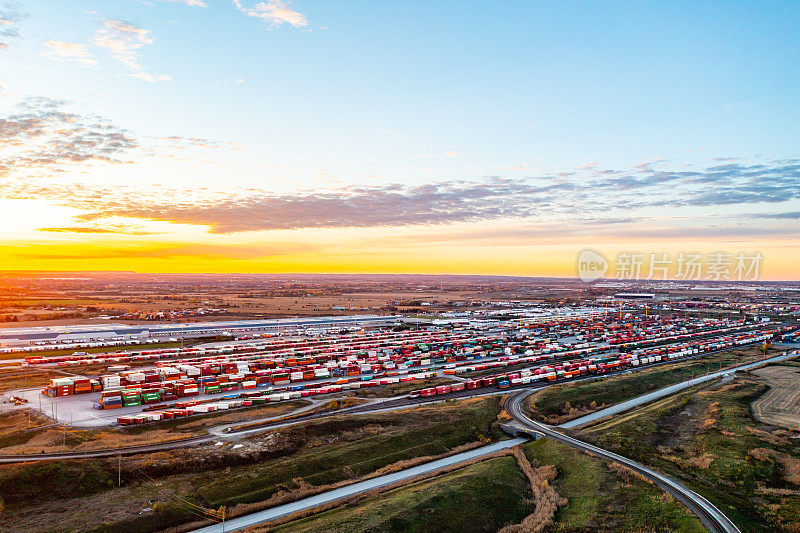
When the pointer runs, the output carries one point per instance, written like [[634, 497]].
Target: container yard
[[176, 382]]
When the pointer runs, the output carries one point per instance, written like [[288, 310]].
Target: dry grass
[[12, 378], [544, 495], [790, 466], [780, 405], [772, 438]]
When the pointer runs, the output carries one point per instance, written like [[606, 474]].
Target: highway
[[709, 515], [357, 488]]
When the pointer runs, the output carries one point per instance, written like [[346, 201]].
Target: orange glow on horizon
[[309, 256]]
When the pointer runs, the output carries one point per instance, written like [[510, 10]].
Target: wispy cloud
[[11, 15], [115, 229], [786, 215], [193, 3], [40, 133], [274, 13], [160, 251], [73, 52], [391, 205], [544, 198], [45, 135], [123, 40]]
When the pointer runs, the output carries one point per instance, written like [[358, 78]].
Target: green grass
[[558, 401], [20, 437], [675, 435], [482, 497], [363, 444], [599, 498]]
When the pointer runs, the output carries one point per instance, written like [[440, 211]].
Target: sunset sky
[[413, 137]]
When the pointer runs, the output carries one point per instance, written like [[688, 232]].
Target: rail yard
[[415, 395]]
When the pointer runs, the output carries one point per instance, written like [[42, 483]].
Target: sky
[[409, 137]]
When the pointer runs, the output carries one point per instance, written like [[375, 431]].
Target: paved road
[[666, 391], [709, 515], [356, 488]]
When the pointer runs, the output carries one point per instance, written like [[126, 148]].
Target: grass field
[[482, 497], [567, 401], [710, 440], [12, 378], [607, 498], [278, 466], [599, 497], [780, 405]]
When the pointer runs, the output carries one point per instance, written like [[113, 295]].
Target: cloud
[[10, 17], [609, 202], [123, 40], [43, 251], [192, 3], [391, 205], [645, 201], [790, 215], [146, 76], [74, 52], [274, 13], [114, 229], [41, 133], [76, 229]]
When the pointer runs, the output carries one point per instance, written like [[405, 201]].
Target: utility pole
[[119, 470]]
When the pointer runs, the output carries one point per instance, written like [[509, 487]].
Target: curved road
[[709, 515]]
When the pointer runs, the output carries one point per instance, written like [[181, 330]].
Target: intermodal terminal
[[59, 335]]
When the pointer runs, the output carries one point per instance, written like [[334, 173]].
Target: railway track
[[709, 514]]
